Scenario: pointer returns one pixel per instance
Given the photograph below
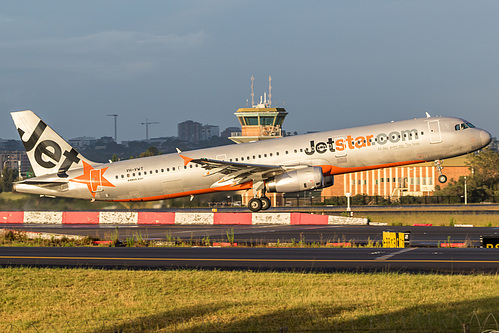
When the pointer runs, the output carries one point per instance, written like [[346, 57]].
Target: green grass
[[437, 219], [75, 300]]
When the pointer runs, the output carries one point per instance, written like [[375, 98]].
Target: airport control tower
[[261, 121]]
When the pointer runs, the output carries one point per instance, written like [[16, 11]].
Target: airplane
[[287, 164]]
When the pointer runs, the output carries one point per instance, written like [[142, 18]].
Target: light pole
[[348, 195], [3, 166], [465, 192]]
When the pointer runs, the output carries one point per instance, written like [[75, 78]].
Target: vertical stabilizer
[[48, 153]]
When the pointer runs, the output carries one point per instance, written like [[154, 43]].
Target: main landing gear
[[442, 178], [257, 204], [261, 203]]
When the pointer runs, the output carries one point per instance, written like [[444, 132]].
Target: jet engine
[[310, 178]]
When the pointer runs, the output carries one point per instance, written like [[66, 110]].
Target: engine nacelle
[[310, 178]]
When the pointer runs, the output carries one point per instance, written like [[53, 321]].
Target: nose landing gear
[[442, 178]]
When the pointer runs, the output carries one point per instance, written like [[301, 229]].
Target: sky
[[334, 64]]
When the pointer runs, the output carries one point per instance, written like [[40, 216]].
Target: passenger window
[[122, 176], [270, 154], [116, 176]]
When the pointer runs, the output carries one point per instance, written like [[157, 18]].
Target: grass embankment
[[436, 219], [77, 300]]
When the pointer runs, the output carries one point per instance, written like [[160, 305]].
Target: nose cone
[[485, 138]]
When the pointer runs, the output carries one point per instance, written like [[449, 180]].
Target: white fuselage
[[336, 152]]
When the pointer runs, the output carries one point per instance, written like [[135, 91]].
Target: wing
[[238, 173]]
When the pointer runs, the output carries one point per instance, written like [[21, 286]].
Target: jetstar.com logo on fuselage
[[362, 141]]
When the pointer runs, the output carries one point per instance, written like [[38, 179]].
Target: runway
[[467, 260], [260, 235]]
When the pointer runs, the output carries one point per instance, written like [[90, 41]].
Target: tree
[[484, 168], [151, 151], [8, 177], [483, 181]]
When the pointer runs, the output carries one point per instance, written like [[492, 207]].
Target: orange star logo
[[93, 178]]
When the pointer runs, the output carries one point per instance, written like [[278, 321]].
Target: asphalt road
[[254, 234], [466, 260]]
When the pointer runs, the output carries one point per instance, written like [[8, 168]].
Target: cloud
[[106, 54]]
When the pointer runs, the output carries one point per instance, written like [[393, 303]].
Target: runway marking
[[388, 256], [255, 260]]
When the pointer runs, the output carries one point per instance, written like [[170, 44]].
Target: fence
[[366, 200]]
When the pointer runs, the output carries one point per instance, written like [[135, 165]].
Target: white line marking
[[388, 256]]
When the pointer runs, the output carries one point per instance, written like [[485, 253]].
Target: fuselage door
[[95, 180], [434, 128], [341, 143]]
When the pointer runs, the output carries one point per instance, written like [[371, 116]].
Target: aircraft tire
[[442, 178], [265, 203], [255, 205]]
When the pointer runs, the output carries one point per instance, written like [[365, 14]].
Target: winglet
[[186, 159]]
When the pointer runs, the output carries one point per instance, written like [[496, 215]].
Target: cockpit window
[[463, 126]]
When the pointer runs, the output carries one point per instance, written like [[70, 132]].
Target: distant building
[[82, 141], [190, 131], [209, 131], [15, 160], [415, 180], [226, 133]]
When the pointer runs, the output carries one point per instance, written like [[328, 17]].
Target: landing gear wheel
[[255, 205], [442, 178], [265, 203]]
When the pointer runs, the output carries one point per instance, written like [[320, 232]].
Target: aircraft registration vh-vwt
[[288, 164]]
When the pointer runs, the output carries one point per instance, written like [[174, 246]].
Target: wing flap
[[239, 173]]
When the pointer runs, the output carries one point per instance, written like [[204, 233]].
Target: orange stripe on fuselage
[[244, 186], [334, 170]]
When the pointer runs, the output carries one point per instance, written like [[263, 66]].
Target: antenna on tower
[[270, 91], [147, 123], [252, 91], [115, 126]]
